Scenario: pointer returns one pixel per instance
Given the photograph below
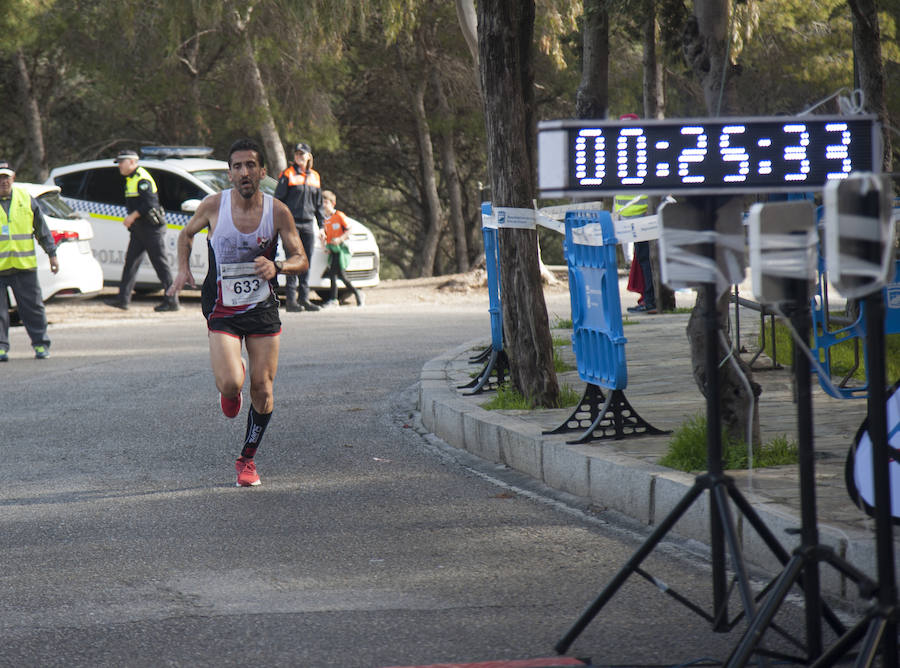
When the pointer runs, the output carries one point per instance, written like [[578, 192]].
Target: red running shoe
[[246, 472], [231, 407]]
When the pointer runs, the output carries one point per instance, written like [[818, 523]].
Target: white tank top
[[238, 289]]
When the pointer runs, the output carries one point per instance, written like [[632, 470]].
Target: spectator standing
[[21, 222], [146, 223], [300, 188], [337, 230]]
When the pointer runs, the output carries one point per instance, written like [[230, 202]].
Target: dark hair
[[247, 145]]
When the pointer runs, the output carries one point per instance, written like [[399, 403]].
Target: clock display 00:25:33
[[705, 156]]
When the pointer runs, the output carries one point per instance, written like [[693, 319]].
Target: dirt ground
[[450, 288]]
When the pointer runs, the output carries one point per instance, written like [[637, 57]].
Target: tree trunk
[[259, 97], [654, 107], [433, 213], [654, 79], [870, 67], [505, 42], [733, 396], [468, 24], [451, 176], [34, 126], [592, 96], [705, 43], [706, 50]]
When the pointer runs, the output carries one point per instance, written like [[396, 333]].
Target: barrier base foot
[[492, 376], [481, 357], [599, 417], [585, 413], [618, 420]]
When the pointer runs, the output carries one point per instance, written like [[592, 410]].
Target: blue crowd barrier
[[825, 337], [496, 362], [597, 336]]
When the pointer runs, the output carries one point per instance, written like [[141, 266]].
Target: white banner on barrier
[[559, 212], [550, 223], [644, 228], [488, 221], [588, 235], [512, 218], [627, 230]]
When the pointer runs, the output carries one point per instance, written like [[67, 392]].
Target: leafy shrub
[[687, 449]]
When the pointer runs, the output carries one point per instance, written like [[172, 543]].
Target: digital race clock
[[704, 156]]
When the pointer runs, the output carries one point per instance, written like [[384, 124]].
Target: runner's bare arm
[[203, 217], [295, 261]]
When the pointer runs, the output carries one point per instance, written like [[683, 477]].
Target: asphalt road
[[126, 543]]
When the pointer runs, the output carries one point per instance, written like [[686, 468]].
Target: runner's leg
[[263, 354], [227, 366]]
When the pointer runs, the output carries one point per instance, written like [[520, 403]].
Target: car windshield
[[51, 204], [217, 179]]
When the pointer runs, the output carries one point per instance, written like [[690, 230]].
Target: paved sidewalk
[[622, 475]]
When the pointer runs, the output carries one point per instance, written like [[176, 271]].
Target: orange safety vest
[[307, 178]]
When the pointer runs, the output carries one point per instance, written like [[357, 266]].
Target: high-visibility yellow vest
[[623, 205], [17, 233], [131, 183]]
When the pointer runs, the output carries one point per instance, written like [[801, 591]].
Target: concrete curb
[[635, 488]]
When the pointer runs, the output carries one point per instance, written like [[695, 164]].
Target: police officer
[[146, 224], [300, 187], [21, 222]]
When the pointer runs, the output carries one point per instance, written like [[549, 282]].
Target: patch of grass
[[842, 354], [562, 323], [568, 396], [560, 365], [509, 399], [687, 449]]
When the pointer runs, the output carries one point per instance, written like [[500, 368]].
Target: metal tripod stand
[[722, 528], [803, 566]]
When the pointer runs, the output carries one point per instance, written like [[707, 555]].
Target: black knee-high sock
[[256, 427]]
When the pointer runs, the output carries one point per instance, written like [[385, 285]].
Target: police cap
[[127, 154]]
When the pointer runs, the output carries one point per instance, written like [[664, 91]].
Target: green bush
[[687, 449]]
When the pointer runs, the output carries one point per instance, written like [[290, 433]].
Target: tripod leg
[[844, 644], [740, 569], [632, 565], [758, 624], [871, 642]]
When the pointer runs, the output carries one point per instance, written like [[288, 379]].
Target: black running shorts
[[258, 322]]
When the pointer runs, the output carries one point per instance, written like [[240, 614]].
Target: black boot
[[291, 304], [309, 306], [169, 303]]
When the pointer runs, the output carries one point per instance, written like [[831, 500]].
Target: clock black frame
[[775, 154]]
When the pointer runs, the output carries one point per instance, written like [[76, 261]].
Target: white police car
[[79, 273], [184, 175]]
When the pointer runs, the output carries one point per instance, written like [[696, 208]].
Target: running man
[[238, 295]]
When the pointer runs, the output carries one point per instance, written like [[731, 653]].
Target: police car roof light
[[164, 152]]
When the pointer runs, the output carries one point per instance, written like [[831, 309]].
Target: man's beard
[[249, 195]]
